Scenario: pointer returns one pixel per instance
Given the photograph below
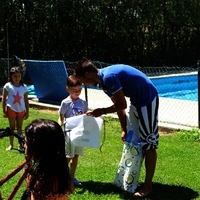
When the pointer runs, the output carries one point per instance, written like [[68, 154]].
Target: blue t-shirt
[[134, 84]]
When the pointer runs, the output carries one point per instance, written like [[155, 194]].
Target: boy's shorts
[[12, 113], [71, 150]]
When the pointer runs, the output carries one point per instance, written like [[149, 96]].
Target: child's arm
[[61, 119], [4, 95], [26, 105]]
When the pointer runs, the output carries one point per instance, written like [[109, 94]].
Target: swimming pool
[[177, 87]]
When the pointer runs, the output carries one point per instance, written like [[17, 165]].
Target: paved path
[[172, 112]]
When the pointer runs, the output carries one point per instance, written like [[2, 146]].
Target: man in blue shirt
[[120, 81]]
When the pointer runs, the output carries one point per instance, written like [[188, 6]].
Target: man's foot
[[143, 192], [9, 148], [76, 182]]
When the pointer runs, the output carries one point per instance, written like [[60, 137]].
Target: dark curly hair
[[45, 146], [84, 66]]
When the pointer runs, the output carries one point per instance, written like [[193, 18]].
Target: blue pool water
[[177, 87]]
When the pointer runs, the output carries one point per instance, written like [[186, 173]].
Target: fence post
[[86, 94], [198, 84]]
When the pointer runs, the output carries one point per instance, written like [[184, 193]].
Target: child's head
[[74, 87], [44, 138], [16, 75], [45, 147]]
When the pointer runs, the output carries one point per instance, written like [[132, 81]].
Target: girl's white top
[[15, 98]]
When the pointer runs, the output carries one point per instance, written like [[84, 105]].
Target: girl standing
[[15, 103]]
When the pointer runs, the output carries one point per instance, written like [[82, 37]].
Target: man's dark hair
[[84, 66]]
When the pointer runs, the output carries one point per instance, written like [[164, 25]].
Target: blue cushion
[[49, 79]]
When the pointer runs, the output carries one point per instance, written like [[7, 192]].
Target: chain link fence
[[178, 91]]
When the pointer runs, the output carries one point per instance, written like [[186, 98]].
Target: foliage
[[193, 135], [143, 33]]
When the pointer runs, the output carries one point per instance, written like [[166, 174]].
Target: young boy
[[72, 106]]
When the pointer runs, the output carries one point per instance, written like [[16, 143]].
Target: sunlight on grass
[[193, 135], [176, 178]]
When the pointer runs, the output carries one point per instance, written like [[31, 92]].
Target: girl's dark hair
[[84, 66], [14, 70], [45, 143]]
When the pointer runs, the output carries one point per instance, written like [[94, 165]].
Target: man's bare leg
[[150, 165]]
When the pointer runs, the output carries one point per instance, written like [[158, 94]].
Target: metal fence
[[176, 111]]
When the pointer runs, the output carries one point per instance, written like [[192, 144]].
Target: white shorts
[[144, 123], [71, 150]]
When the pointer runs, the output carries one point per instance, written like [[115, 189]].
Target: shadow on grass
[[16, 149], [160, 191]]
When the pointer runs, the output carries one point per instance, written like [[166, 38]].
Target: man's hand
[[94, 113], [123, 136]]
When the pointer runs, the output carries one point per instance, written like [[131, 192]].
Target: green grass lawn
[[177, 175]]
